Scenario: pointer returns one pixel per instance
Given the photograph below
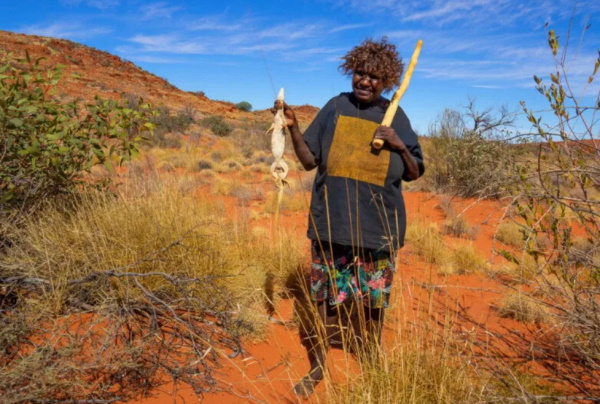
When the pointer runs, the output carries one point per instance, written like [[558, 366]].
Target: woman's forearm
[[307, 159], [411, 166]]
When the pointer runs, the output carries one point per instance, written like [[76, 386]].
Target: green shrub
[[558, 207], [47, 147], [217, 125], [468, 157], [244, 106], [167, 126]]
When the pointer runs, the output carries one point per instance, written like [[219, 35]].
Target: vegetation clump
[[556, 198], [142, 279], [468, 155], [244, 106], [47, 147], [217, 125]]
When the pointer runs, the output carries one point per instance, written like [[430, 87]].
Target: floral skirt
[[341, 272]]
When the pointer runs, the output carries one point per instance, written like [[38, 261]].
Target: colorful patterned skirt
[[342, 272]]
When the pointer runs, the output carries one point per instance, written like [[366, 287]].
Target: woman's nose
[[365, 79]]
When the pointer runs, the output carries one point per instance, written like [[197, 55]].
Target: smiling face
[[375, 66], [367, 85]]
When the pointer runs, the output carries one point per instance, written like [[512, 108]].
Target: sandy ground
[[267, 370]]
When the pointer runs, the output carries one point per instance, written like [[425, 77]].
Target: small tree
[[47, 147], [244, 106], [217, 125], [558, 201], [470, 156]]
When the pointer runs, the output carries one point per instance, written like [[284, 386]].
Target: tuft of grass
[[103, 233], [422, 365], [259, 168], [179, 160], [207, 175], [229, 166], [523, 308], [463, 260], [427, 242], [204, 164], [510, 233], [457, 226], [165, 166], [223, 186], [446, 204]]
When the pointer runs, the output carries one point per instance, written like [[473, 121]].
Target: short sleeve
[[409, 137], [314, 133]]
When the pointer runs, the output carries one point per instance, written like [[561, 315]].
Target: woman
[[357, 218]]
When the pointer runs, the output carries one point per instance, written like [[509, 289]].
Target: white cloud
[[158, 10], [165, 43], [64, 30], [215, 23], [348, 27], [210, 35], [100, 4], [154, 59], [487, 14]]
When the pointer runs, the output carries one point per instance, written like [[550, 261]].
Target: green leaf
[[16, 122], [109, 166], [28, 150]]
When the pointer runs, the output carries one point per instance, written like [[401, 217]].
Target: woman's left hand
[[389, 135]]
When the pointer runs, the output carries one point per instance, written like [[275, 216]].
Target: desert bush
[[554, 200], [217, 125], [107, 299], [424, 365], [244, 106], [465, 260], [427, 242], [458, 226], [47, 148], [522, 308], [167, 126], [204, 164], [467, 154], [510, 233]]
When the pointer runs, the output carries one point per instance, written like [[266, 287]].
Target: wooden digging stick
[[393, 107]]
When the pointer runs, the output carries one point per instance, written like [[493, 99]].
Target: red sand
[[269, 369]]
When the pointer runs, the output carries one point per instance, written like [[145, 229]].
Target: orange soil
[[268, 370]]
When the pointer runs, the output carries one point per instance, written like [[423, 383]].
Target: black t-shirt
[[357, 193]]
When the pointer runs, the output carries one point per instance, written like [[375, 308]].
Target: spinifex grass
[[173, 276], [421, 361], [161, 232]]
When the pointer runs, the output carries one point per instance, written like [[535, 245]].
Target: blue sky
[[245, 50]]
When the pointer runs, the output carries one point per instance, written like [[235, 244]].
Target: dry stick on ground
[[169, 329]]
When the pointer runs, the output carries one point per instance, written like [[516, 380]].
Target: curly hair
[[379, 58]]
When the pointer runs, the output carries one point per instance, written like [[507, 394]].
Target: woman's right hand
[[287, 112]]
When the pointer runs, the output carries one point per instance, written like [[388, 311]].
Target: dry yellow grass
[[423, 364], [259, 168], [154, 228], [427, 242], [463, 259], [458, 226], [510, 233], [523, 307], [229, 166]]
